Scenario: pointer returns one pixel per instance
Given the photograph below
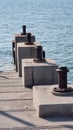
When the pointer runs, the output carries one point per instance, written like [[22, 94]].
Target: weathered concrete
[[39, 73], [19, 39], [24, 51], [49, 105], [17, 111], [23, 38]]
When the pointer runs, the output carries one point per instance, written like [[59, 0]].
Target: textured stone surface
[[24, 51], [39, 73], [17, 111], [50, 105], [19, 39], [23, 38]]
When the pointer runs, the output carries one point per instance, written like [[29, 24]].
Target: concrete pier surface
[[17, 111]]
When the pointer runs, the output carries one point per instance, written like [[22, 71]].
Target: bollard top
[[62, 69], [24, 26]]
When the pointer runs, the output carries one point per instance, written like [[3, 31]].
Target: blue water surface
[[51, 21]]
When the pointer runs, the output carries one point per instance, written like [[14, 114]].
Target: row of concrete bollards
[[27, 53], [21, 45], [37, 70]]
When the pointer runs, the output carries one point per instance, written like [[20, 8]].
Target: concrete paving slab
[[19, 114]]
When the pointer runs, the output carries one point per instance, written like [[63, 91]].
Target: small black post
[[24, 30], [62, 82], [62, 77], [29, 42], [38, 53], [29, 38]]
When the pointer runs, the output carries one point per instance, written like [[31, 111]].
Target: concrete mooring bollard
[[19, 38], [39, 71], [54, 100], [25, 50]]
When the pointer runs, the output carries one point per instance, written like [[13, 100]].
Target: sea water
[[51, 21]]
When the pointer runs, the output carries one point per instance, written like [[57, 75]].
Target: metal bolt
[[24, 30]]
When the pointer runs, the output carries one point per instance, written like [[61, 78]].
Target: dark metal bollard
[[24, 30], [62, 81], [29, 42], [38, 53], [62, 77]]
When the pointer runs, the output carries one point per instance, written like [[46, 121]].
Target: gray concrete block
[[20, 39], [49, 105], [41, 73], [28, 71], [24, 51], [23, 38]]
